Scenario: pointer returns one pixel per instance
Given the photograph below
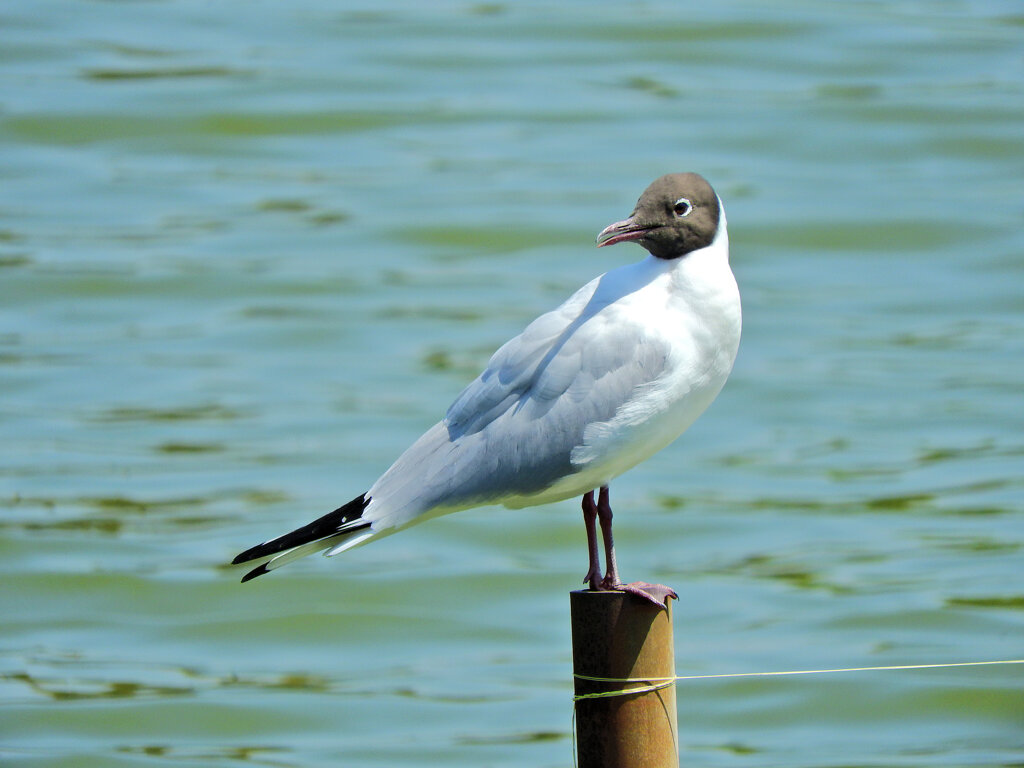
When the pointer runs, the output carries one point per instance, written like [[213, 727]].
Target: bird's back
[[586, 392]]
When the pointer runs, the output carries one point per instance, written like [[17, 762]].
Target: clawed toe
[[656, 594], [593, 578]]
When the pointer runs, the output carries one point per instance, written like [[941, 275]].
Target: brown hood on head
[[675, 215]]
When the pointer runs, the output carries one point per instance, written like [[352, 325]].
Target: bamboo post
[[616, 635]]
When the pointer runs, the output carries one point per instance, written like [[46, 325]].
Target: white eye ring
[[682, 207]]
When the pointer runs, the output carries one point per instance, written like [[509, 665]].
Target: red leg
[[593, 576], [604, 512], [658, 594]]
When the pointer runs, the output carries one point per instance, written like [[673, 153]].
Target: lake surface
[[248, 252]]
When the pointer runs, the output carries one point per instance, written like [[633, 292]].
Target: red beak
[[622, 231]]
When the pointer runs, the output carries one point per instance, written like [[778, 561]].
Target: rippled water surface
[[248, 252]]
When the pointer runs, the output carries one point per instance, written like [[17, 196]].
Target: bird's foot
[[656, 594], [593, 579]]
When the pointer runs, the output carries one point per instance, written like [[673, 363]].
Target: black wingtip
[[249, 554], [343, 518], [259, 571]]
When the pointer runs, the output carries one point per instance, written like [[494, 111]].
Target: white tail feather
[[346, 544]]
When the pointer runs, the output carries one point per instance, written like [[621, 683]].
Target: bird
[[587, 391]]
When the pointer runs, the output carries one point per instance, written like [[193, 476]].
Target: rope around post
[[656, 683]]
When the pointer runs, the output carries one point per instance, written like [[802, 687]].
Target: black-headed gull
[[586, 392]]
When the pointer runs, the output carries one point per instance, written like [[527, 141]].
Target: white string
[[656, 683]]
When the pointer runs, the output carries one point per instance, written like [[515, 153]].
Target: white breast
[[694, 308]]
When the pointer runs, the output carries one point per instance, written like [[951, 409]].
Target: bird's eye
[[682, 207]]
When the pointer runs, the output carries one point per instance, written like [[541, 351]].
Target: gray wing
[[512, 431]]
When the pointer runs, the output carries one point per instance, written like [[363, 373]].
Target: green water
[[248, 252]]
